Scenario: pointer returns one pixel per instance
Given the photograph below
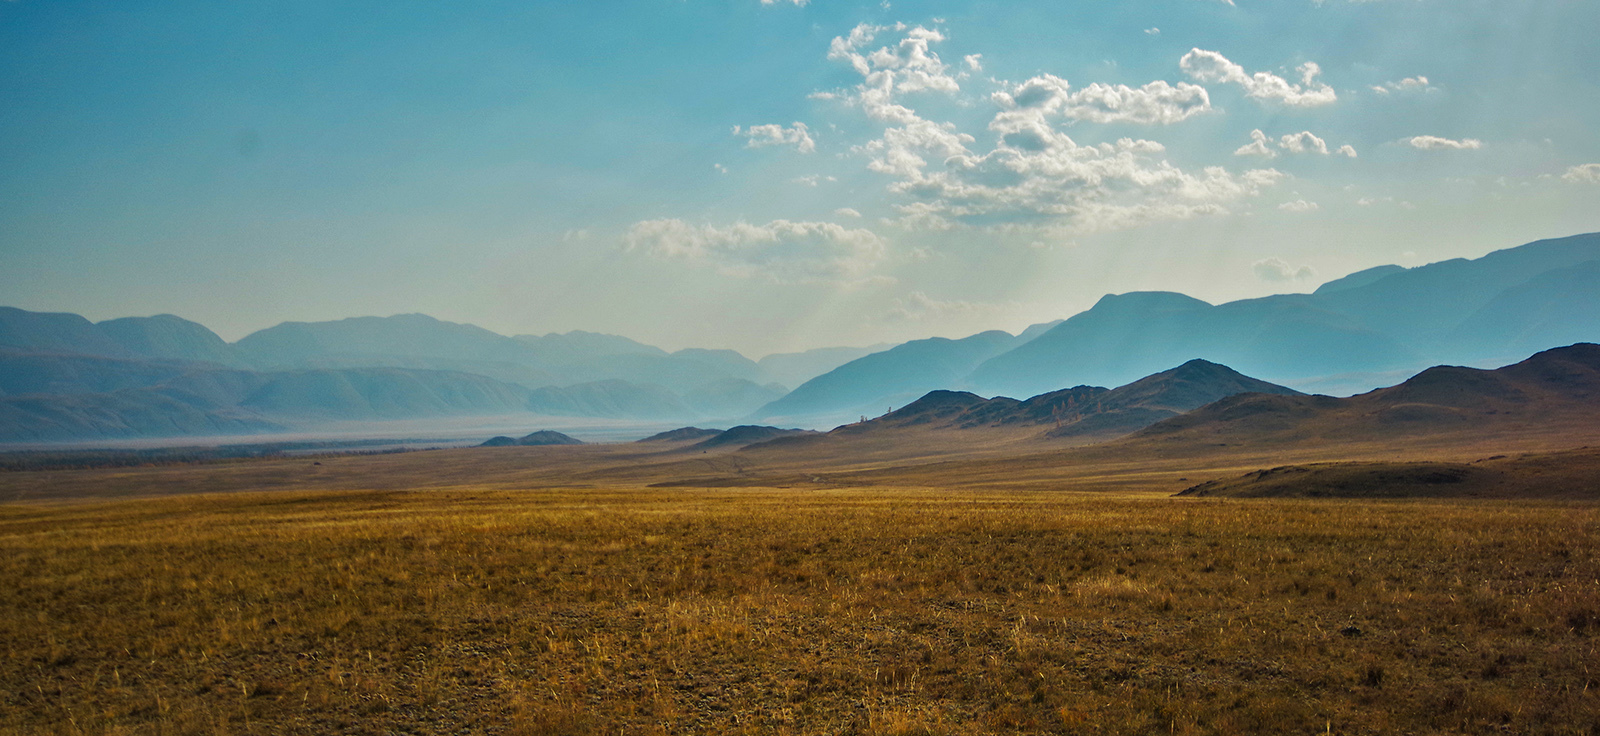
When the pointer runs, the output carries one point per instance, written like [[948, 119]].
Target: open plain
[[979, 586]]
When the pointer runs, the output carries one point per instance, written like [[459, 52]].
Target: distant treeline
[[24, 460]]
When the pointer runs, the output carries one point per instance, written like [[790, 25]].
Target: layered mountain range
[[64, 378], [1369, 329]]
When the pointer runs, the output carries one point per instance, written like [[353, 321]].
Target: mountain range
[[65, 378], [1368, 329]]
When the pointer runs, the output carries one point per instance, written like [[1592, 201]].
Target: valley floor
[[883, 610]]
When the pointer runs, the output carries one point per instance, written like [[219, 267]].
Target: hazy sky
[[776, 175]]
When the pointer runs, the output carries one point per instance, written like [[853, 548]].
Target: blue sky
[[770, 176]]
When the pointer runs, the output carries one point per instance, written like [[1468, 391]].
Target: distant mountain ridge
[[578, 374], [120, 377], [899, 374], [1553, 386], [1488, 310], [1082, 411]]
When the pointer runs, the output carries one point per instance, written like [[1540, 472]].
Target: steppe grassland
[[892, 611]]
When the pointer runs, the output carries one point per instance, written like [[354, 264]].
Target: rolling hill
[[1546, 390], [1082, 411]]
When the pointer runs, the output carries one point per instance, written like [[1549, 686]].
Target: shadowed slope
[[1082, 411], [1572, 475], [1560, 385]]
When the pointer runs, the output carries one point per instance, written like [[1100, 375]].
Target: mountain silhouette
[[1548, 389], [541, 438], [899, 373], [1082, 411], [1375, 321]]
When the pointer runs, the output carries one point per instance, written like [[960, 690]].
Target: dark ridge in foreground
[[1081, 411], [1559, 385], [542, 438], [747, 434]]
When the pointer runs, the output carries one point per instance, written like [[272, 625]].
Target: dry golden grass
[[878, 610]]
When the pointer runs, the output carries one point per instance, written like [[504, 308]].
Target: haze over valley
[[800, 367]]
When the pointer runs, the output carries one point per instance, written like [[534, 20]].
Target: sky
[[775, 175]]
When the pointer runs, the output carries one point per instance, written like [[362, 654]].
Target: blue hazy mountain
[[899, 375], [54, 373], [793, 369], [1382, 320], [1557, 307], [167, 337], [555, 360], [47, 332], [578, 346], [380, 341], [202, 400]]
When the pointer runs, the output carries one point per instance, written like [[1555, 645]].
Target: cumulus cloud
[[1152, 31], [974, 62], [1583, 174], [1418, 83], [1213, 67], [903, 67], [1435, 143], [801, 3], [1259, 145], [1299, 205], [782, 251], [1034, 175], [846, 212], [759, 136], [1047, 96], [1303, 142], [1278, 270]]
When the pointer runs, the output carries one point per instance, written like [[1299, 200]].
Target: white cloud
[[782, 251], [1212, 67], [1279, 270], [801, 3], [1299, 205], [1583, 174], [974, 62], [890, 71], [846, 212], [1152, 31], [760, 136], [1303, 142], [720, 169], [813, 179], [1418, 83], [1259, 145], [1048, 96], [1435, 143]]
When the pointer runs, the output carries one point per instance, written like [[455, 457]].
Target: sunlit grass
[[882, 611]]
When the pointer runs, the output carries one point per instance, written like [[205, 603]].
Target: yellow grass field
[[870, 610]]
